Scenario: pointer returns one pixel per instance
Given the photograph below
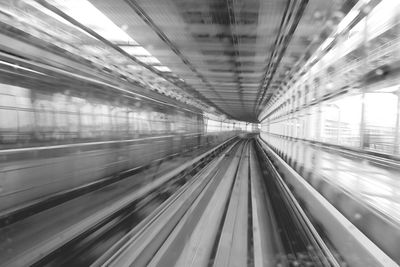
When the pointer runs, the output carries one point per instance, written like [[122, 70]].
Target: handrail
[[356, 248], [382, 159], [37, 148]]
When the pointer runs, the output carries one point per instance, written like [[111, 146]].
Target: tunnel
[[224, 133]]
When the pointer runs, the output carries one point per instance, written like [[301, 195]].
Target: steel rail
[[266, 252], [149, 237], [232, 244]]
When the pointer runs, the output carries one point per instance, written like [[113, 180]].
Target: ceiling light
[[135, 67], [46, 11], [347, 20], [87, 14], [162, 68], [149, 60], [327, 42], [20, 67], [135, 50]]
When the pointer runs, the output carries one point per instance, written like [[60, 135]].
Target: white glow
[[390, 89], [149, 60], [162, 68], [327, 42], [87, 14], [354, 39], [314, 57], [93, 49], [381, 109], [347, 20], [19, 67], [381, 17], [135, 67], [351, 106], [46, 11], [136, 50]]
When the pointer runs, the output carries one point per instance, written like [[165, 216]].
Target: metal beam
[[146, 18], [183, 86], [293, 12]]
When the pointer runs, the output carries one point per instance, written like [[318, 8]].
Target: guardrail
[[352, 244]]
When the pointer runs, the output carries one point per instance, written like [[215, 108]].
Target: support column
[[339, 124], [396, 148], [318, 123], [364, 142]]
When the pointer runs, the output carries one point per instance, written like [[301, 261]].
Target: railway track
[[80, 230], [231, 207], [233, 212]]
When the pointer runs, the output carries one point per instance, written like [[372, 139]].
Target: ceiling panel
[[230, 51]]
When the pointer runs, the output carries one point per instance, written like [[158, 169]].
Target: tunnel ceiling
[[234, 53]]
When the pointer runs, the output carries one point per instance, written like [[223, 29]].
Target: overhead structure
[[223, 56], [234, 53]]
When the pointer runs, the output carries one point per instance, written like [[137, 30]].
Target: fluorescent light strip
[[327, 42], [135, 50], [88, 15], [347, 20], [19, 67], [49, 13], [149, 60], [162, 68]]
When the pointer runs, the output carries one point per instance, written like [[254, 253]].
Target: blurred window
[[87, 120], [380, 121], [73, 116], [60, 115], [25, 112], [8, 117], [44, 116]]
